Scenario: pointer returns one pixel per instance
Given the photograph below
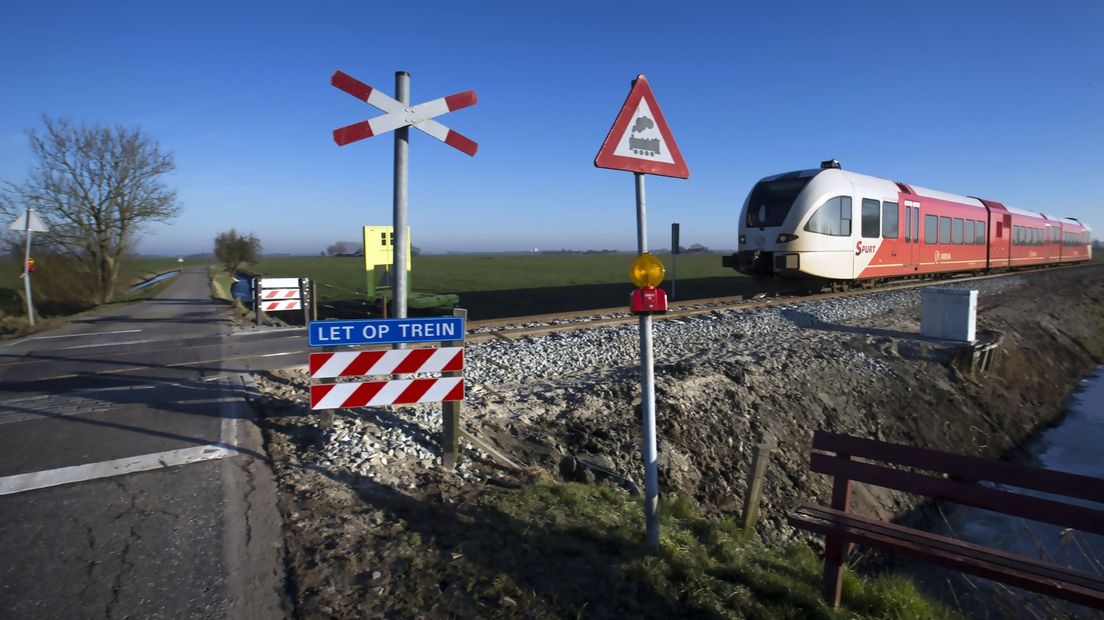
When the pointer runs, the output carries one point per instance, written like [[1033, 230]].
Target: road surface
[[132, 483]]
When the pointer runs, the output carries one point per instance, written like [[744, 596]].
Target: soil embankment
[[361, 500]]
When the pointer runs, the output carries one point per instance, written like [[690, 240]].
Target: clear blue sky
[[1003, 100]]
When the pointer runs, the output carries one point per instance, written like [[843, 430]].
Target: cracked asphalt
[[194, 540]]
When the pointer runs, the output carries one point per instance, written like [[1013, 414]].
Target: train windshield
[[770, 201]]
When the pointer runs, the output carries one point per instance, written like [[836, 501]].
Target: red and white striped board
[[397, 361], [398, 115], [380, 393], [280, 293], [276, 306]]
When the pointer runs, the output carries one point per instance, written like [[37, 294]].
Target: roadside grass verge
[[705, 568], [220, 284]]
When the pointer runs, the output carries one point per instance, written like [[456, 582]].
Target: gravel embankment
[[356, 498]]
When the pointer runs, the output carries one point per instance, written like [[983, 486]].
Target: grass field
[[501, 285], [134, 269]]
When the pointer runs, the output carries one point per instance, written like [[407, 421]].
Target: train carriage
[[833, 225]]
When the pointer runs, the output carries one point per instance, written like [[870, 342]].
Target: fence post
[[754, 495], [450, 411]]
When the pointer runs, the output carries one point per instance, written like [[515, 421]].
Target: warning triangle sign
[[640, 140]]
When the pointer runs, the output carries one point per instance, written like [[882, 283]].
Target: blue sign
[[385, 331]]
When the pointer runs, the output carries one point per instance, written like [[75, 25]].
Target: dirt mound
[[356, 497]]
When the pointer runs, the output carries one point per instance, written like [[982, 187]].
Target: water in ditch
[[1076, 445]]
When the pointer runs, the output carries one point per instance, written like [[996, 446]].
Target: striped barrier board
[[276, 306], [380, 393], [280, 293], [398, 361]]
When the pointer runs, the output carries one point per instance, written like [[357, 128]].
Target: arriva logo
[[864, 249], [942, 256]]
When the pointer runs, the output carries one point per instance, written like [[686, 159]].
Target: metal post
[[753, 496], [647, 390], [257, 299], [674, 257], [304, 301], [402, 161], [27, 272], [314, 300]]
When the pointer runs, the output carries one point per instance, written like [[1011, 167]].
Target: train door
[[912, 235]]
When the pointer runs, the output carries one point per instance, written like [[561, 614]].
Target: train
[[835, 227]]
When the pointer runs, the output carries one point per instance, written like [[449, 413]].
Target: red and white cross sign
[[398, 115]]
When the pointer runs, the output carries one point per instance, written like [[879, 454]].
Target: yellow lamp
[[646, 271]]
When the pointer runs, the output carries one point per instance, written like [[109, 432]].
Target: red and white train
[[841, 227]]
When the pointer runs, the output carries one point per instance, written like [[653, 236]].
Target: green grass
[[501, 285], [492, 272], [705, 568], [133, 270]]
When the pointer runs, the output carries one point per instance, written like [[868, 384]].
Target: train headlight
[[786, 238], [743, 239]]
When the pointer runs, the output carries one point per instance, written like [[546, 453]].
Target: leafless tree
[[95, 187]]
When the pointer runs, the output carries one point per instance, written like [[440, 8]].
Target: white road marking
[[105, 469], [121, 331], [269, 331], [110, 344], [227, 446]]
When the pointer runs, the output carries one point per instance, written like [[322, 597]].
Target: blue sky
[[1003, 100]]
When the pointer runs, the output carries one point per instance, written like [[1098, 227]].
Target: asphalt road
[[132, 483]]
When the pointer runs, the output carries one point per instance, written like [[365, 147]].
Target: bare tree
[[232, 249], [95, 188]]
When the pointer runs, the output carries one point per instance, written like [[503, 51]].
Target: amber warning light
[[646, 273]]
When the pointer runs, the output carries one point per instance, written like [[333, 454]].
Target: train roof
[[924, 192]]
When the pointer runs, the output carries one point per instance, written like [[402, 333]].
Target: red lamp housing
[[648, 301]]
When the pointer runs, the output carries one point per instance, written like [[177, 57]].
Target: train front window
[[770, 201], [832, 218]]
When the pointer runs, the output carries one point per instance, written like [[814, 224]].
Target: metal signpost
[[399, 117], [674, 257], [30, 223], [640, 142]]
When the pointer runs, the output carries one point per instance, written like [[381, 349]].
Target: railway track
[[511, 329], [287, 347]]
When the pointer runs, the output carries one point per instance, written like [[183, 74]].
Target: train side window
[[956, 231], [908, 224], [944, 229], [871, 218], [1015, 235], [916, 224], [890, 216], [979, 233], [968, 232], [931, 229], [832, 218]]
